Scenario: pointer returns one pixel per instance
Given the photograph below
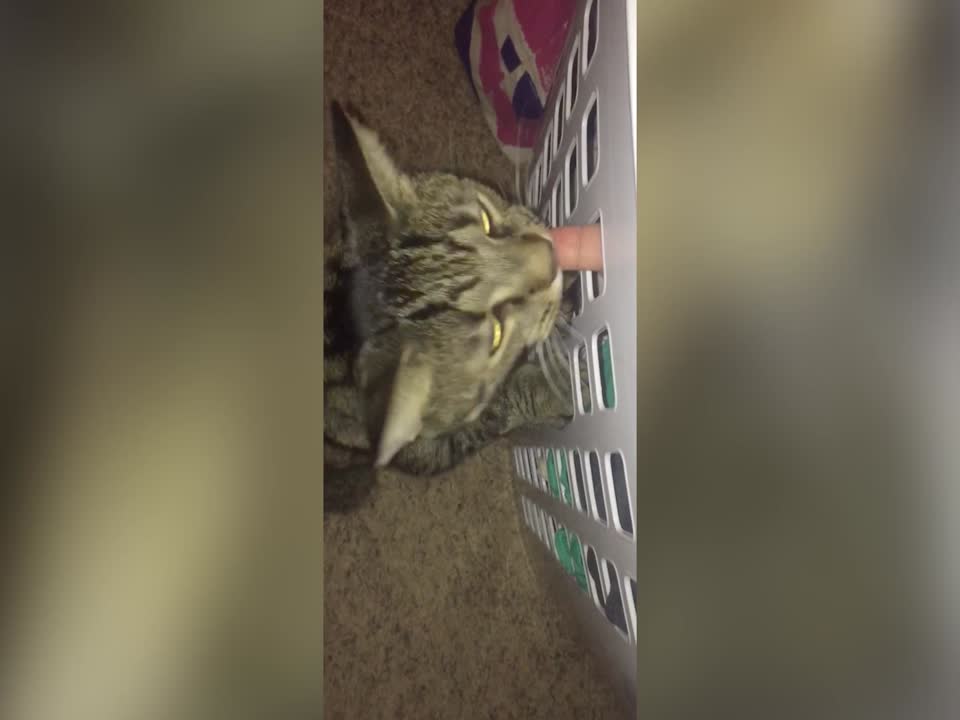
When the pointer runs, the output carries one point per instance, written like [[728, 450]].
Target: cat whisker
[[551, 347], [567, 327], [563, 359], [559, 354], [516, 181], [546, 372], [504, 192]]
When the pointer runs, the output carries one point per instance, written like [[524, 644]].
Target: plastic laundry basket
[[576, 488]]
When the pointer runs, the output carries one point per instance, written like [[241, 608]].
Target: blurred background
[[161, 359], [795, 244]]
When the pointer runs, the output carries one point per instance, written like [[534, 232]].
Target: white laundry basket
[[576, 488]]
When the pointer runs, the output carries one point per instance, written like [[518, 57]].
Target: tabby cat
[[437, 290]]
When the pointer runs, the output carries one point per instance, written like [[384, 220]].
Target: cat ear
[[395, 405], [372, 186]]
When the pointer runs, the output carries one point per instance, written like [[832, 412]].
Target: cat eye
[[497, 317], [497, 334], [485, 220]]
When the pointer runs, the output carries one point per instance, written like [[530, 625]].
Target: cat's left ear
[[372, 186], [395, 403]]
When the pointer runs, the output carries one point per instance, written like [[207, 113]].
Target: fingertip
[[578, 247]]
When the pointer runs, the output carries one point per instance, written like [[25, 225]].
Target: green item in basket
[[606, 370], [565, 492], [563, 549], [552, 475], [576, 562]]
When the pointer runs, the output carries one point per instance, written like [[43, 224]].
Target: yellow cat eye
[[497, 334], [485, 219]]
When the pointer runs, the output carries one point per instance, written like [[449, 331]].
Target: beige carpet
[[431, 610]]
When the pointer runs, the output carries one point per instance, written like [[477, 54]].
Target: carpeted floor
[[431, 609]]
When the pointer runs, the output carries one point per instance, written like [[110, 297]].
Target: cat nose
[[541, 260]]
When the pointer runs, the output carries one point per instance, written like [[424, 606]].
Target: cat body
[[436, 291]]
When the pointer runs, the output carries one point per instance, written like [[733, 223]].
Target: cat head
[[452, 285]]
